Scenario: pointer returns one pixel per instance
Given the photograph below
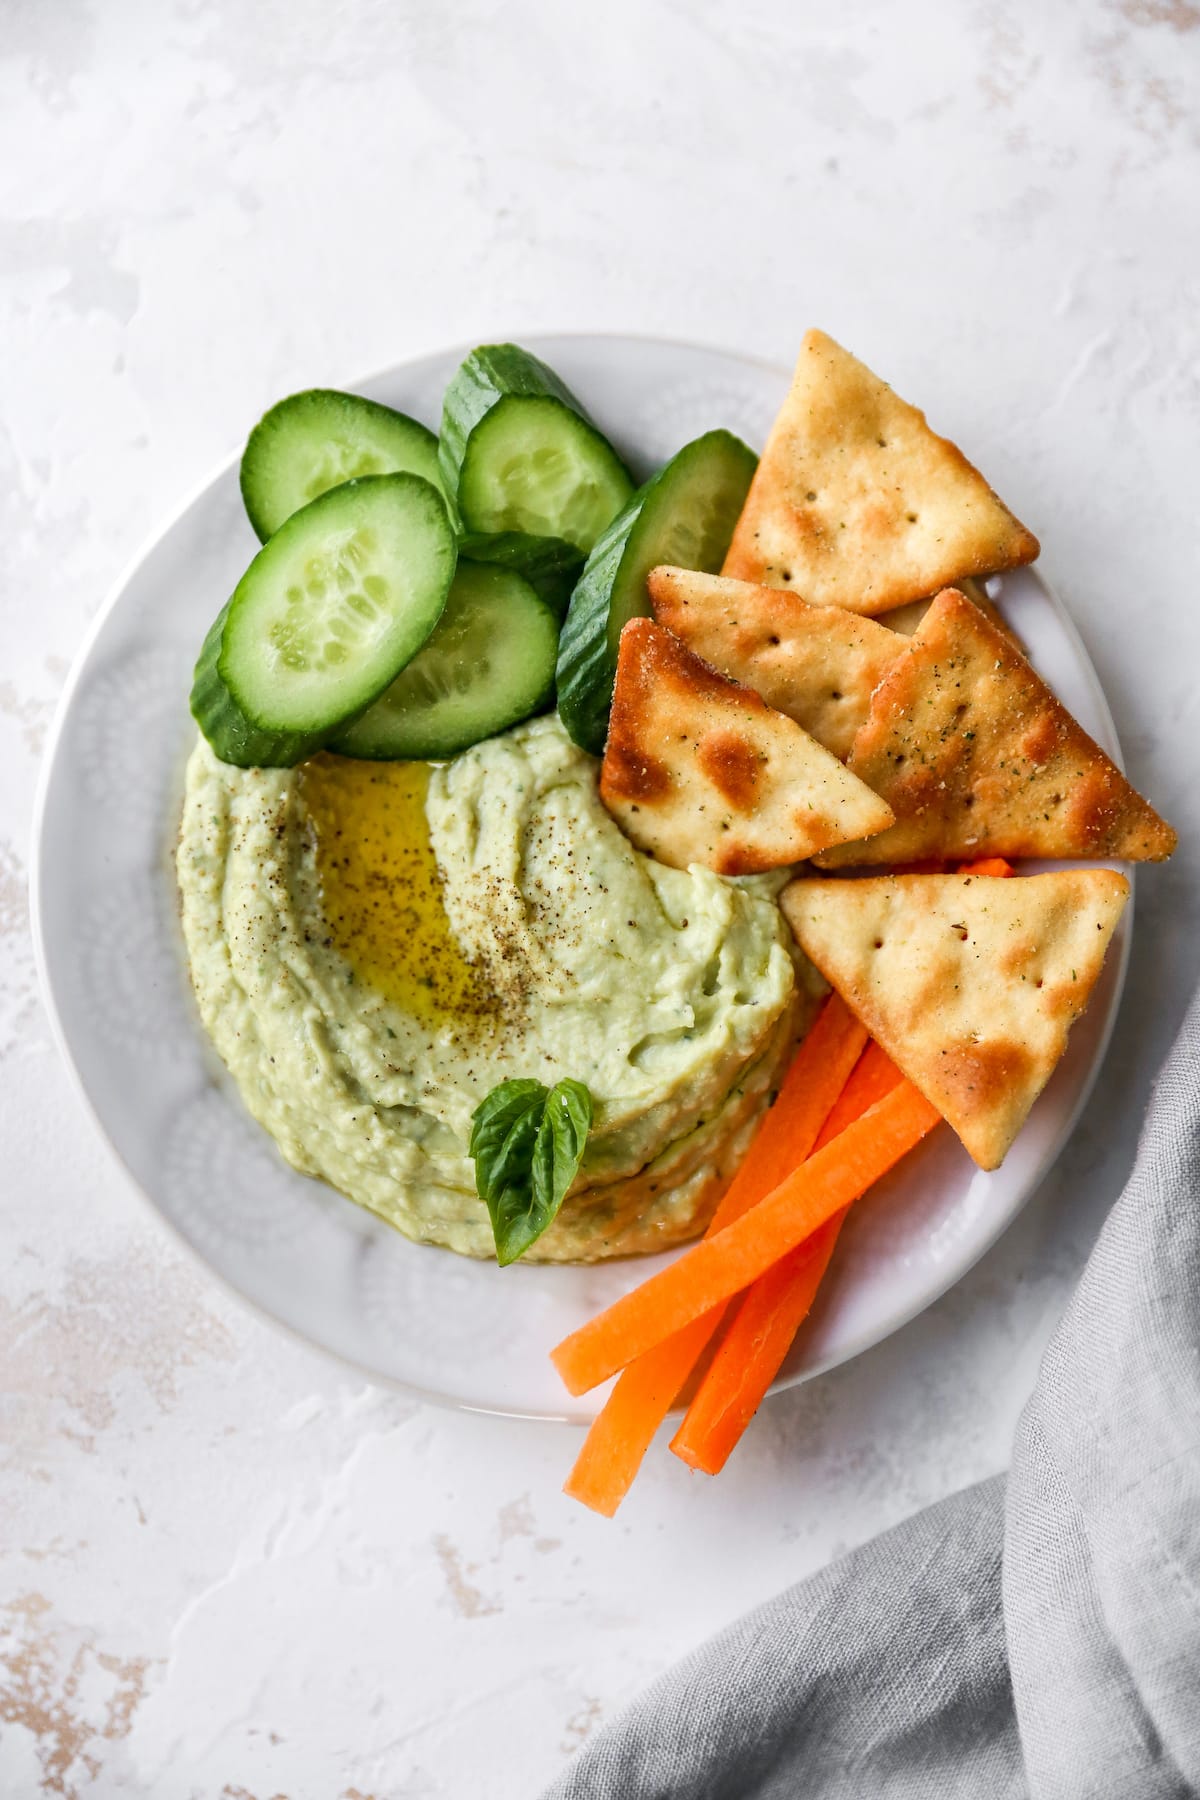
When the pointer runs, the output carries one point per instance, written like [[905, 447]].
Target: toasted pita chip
[[857, 503], [700, 770], [818, 664], [977, 758], [970, 982], [905, 619]]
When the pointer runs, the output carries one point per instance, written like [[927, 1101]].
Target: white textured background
[[227, 1569]]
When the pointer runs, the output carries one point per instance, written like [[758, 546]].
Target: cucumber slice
[[551, 566], [685, 516], [315, 440], [520, 454], [489, 664], [222, 720], [326, 616]]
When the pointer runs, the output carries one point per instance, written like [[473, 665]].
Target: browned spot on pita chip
[[733, 764], [637, 776]]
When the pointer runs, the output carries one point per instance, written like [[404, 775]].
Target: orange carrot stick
[[987, 865], [769, 1315], [874, 1075], [720, 1266], [624, 1429], [816, 1076], [759, 1336]]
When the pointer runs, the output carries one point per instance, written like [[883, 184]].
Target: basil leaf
[[557, 1153], [504, 1129], [527, 1144], [560, 1143], [499, 1126]]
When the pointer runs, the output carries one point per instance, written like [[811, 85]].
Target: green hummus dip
[[365, 1004]]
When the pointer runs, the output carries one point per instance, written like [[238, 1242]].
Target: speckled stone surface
[[228, 1569]]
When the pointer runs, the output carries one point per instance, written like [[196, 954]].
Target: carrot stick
[[816, 1076], [720, 1266], [873, 1076], [987, 865], [759, 1336], [623, 1430], [769, 1315]]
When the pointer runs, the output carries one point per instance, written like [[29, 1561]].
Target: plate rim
[[870, 1337]]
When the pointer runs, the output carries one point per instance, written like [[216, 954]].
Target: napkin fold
[[1036, 1637]]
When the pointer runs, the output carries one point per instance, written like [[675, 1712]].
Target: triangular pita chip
[[976, 758], [700, 770], [818, 664], [970, 983], [857, 503]]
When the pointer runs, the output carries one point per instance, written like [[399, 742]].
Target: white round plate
[[464, 1333]]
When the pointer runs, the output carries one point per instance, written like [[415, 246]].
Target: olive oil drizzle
[[381, 889]]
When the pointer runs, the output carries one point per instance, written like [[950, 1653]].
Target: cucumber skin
[[261, 434], [485, 376], [234, 738], [587, 662], [586, 666], [551, 566]]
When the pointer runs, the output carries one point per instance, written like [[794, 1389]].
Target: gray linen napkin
[[1042, 1640]]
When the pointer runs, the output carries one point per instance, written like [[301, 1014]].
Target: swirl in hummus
[[375, 946]]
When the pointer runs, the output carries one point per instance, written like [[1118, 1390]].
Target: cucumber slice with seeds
[[684, 515], [520, 454], [488, 665], [334, 605], [315, 440], [551, 566]]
